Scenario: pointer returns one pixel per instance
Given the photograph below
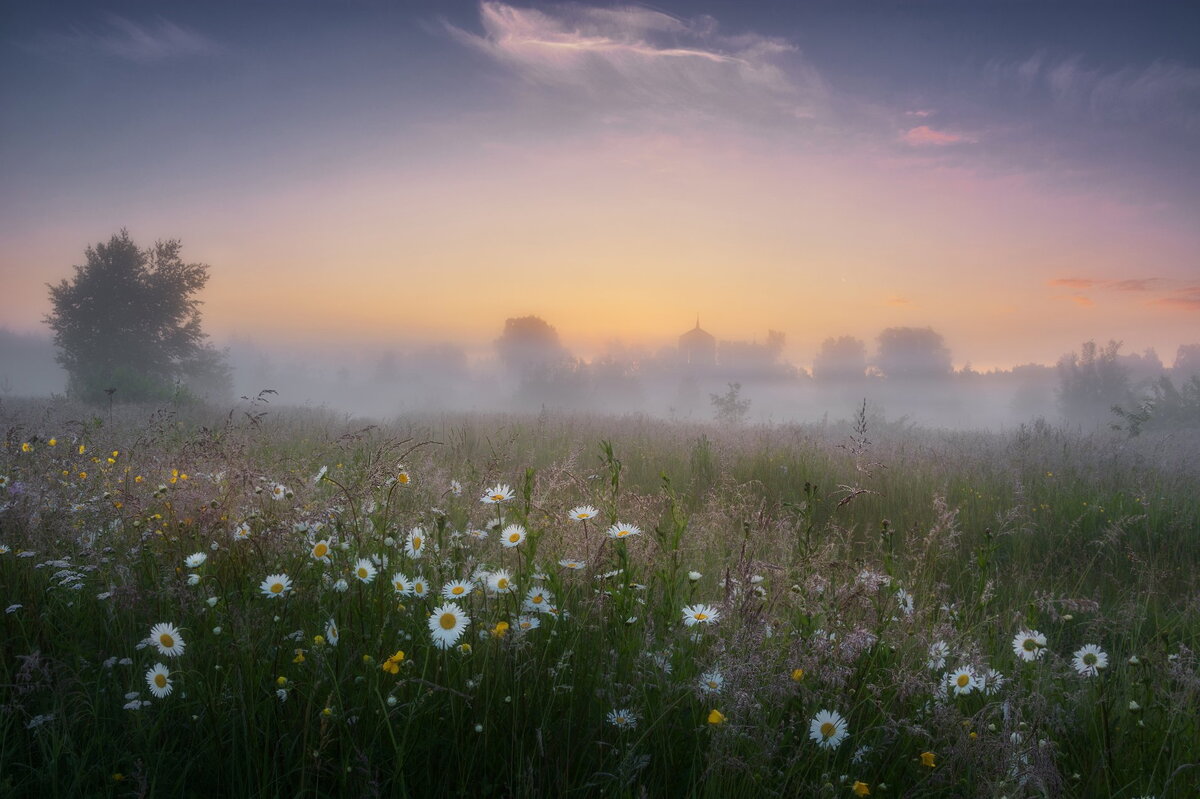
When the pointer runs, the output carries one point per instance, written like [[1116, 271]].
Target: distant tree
[[1092, 383], [129, 321], [730, 407], [912, 353], [529, 344], [1165, 408], [841, 360], [1187, 361]]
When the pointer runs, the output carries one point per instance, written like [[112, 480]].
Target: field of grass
[[793, 610]]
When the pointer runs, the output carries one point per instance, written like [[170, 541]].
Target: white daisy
[[402, 583], [527, 623], [496, 494], [513, 535], [993, 681], [194, 561], [447, 625], [938, 652], [456, 488], [1089, 660], [538, 598], [241, 532], [331, 632], [278, 491], [414, 545], [622, 718], [159, 680], [276, 586], [712, 681], [1029, 645], [582, 513], [166, 638], [365, 570], [457, 589], [572, 564], [500, 581], [828, 729], [621, 530], [962, 681], [420, 586], [700, 614], [320, 551]]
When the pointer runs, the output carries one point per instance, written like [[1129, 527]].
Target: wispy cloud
[[1186, 298], [1137, 284], [925, 136], [140, 42], [640, 55], [1074, 282], [1081, 300]]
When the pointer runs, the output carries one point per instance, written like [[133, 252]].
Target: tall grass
[[805, 540]]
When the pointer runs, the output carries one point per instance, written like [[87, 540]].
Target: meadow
[[282, 602]]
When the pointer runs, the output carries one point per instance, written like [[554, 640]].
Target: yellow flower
[[402, 478], [299, 656], [500, 629], [392, 665], [927, 759], [83, 475], [367, 659], [973, 736], [797, 675], [860, 788], [319, 640], [27, 447], [716, 717], [53, 442], [118, 777], [82, 449], [281, 681], [327, 711], [138, 479]]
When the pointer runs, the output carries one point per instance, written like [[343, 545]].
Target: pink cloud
[[1079, 299], [1074, 282], [1187, 299], [925, 136]]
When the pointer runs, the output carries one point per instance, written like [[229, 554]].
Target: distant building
[[698, 347]]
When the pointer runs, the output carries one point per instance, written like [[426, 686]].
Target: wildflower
[[447, 625], [281, 693], [276, 586], [299, 656], [828, 729], [512, 536], [193, 579], [13, 608], [53, 442], [402, 477], [402, 583], [538, 598], [694, 576], [905, 600], [320, 474], [620, 530], [572, 564], [622, 718], [364, 570], [165, 636], [962, 681], [1089, 660], [526, 623], [241, 532], [927, 759], [993, 681], [860, 788], [700, 614], [582, 513], [496, 494], [320, 551], [1134, 707], [419, 586], [712, 681], [938, 651], [196, 560], [392, 664], [797, 675], [500, 581], [1028, 645], [456, 488], [341, 586], [457, 589], [159, 680], [716, 717], [279, 491], [414, 545], [27, 447]]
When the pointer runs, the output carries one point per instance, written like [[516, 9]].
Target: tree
[[1092, 382], [840, 360], [730, 408], [128, 325], [913, 353], [529, 344]]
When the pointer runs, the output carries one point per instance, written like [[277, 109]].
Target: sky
[[1022, 176]]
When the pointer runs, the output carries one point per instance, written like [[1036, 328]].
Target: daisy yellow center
[[1089, 659], [1030, 645], [712, 684], [399, 586], [828, 729], [448, 621], [457, 590], [403, 477], [502, 583], [320, 550], [166, 640], [515, 537], [622, 533], [962, 680], [525, 625], [581, 515], [497, 497], [160, 680], [701, 616], [416, 542], [419, 588], [276, 588], [537, 600], [362, 571]]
